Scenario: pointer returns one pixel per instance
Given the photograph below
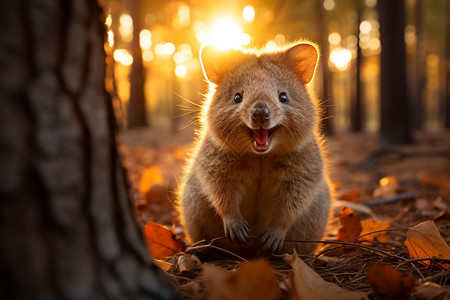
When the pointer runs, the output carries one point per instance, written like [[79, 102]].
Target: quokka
[[257, 174]]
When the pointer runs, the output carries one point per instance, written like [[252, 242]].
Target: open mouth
[[261, 138]]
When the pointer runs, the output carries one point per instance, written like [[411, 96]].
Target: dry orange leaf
[[180, 154], [161, 242], [149, 178], [370, 225], [307, 284], [389, 283], [350, 226], [253, 280], [387, 187], [165, 266], [352, 195], [424, 240], [434, 179]]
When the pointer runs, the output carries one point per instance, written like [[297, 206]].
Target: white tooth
[[257, 145]]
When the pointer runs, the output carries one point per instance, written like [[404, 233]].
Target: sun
[[225, 33]]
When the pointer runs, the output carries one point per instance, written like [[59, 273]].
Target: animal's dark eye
[[237, 98], [283, 98]]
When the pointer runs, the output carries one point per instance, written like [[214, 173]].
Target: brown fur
[[233, 190]]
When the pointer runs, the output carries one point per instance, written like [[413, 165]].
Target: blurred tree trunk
[[67, 227], [327, 123], [419, 110], [395, 118], [136, 110], [357, 109], [447, 69]]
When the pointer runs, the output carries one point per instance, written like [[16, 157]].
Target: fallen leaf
[[180, 153], [191, 290], [387, 187], [161, 242], [158, 194], [424, 240], [370, 225], [352, 195], [422, 204], [307, 284], [363, 211], [187, 263], [336, 185], [350, 226], [434, 180], [165, 266], [431, 290], [389, 283], [442, 215], [440, 204], [149, 178], [253, 280]]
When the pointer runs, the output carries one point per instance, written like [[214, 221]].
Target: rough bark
[[66, 224], [395, 119]]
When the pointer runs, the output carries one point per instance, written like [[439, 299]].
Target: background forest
[[160, 64], [98, 116]]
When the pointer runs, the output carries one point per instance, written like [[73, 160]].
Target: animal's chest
[[259, 196]]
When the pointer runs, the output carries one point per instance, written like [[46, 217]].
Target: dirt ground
[[413, 179], [354, 168]]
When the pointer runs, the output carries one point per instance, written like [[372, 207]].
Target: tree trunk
[[357, 109], [395, 118], [327, 122], [136, 110], [67, 228], [419, 109], [447, 68]]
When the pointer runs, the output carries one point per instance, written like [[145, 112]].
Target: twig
[[378, 231], [355, 239], [350, 244], [210, 245], [431, 259], [399, 197], [429, 278]]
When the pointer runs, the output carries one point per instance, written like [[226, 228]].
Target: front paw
[[237, 230], [271, 241]]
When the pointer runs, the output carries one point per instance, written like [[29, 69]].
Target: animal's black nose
[[260, 114]]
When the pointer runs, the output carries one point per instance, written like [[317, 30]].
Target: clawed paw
[[271, 241], [237, 230]]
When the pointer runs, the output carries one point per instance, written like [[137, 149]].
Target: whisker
[[192, 121], [183, 107], [185, 114], [187, 100]]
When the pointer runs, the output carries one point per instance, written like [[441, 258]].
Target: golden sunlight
[[123, 56], [340, 58], [145, 39], [334, 38], [226, 34], [181, 71], [126, 27], [110, 37], [248, 13], [147, 55]]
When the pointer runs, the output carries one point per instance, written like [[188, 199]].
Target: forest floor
[[413, 179]]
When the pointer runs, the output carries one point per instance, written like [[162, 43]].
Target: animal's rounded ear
[[303, 58], [216, 63]]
